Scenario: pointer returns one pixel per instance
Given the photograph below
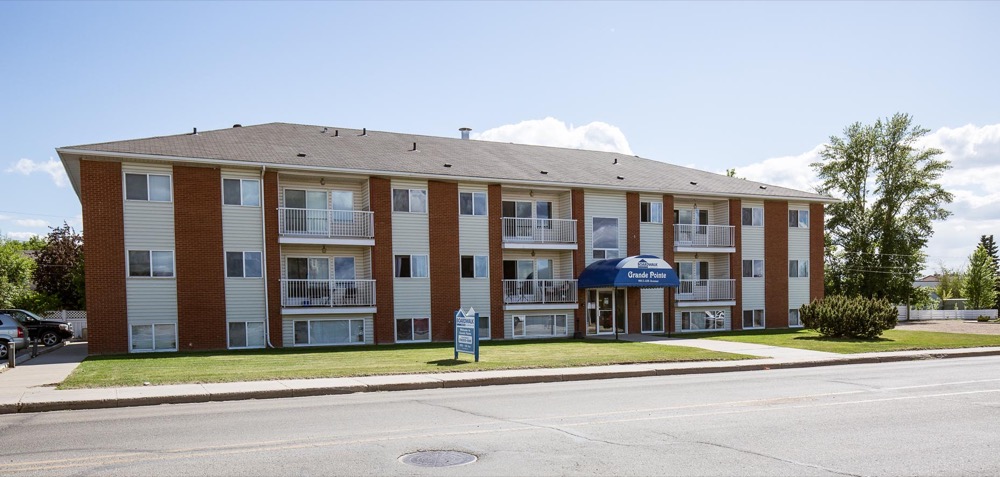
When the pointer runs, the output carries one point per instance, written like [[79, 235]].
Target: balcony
[[319, 226], [539, 233], [701, 292], [539, 293], [704, 238], [327, 296]]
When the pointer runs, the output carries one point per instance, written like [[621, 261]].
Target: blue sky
[[755, 86]]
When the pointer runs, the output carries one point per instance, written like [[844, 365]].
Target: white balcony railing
[[707, 290], [327, 293], [539, 291], [707, 236], [326, 223], [539, 230]]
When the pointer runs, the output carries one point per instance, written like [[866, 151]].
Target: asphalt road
[[937, 417]]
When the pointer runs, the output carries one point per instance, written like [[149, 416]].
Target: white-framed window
[[329, 332], [605, 233], [244, 265], [753, 319], [246, 334], [703, 320], [472, 203], [153, 337], [413, 329], [691, 217], [753, 217], [409, 200], [798, 218], [539, 326], [244, 192], [798, 268], [753, 269], [147, 187], [651, 212], [484, 328], [411, 266], [793, 318], [652, 322], [475, 266], [150, 264]]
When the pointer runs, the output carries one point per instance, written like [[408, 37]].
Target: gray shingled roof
[[378, 152]]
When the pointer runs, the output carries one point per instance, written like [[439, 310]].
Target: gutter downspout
[[263, 236]]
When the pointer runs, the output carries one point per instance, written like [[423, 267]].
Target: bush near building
[[838, 316]]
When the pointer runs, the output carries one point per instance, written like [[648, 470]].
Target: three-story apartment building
[[294, 235]]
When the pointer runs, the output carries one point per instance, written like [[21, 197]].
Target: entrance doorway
[[606, 311]]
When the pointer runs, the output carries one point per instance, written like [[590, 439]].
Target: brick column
[[494, 211], [776, 264], [668, 256], [270, 204], [633, 295], [579, 260], [816, 257], [199, 259], [380, 191], [736, 261], [445, 269], [104, 246]]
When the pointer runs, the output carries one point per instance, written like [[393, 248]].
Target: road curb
[[454, 382]]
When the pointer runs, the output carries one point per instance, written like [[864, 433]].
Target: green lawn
[[891, 340], [294, 363]]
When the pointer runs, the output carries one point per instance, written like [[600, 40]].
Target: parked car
[[49, 332], [11, 331]]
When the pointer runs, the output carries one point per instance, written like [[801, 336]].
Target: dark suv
[[49, 332]]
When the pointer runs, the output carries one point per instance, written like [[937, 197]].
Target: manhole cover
[[437, 458]]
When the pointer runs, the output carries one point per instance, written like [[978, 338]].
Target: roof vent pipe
[[237, 125], [414, 147], [616, 161], [465, 132], [364, 131], [336, 133], [195, 132]]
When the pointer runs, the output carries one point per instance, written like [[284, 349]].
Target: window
[[246, 334], [146, 263], [411, 266], [150, 187], [243, 265], [329, 332], [244, 192], [753, 269], [536, 326], [651, 212], [475, 266], [703, 320], [753, 319], [484, 327], [798, 218], [753, 216], [153, 337], [793, 318], [798, 268], [472, 203], [409, 200], [652, 322], [413, 329], [605, 237]]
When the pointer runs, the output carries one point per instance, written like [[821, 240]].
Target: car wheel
[[50, 338], [3, 350]]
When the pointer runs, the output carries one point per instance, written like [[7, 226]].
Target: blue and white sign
[[641, 271], [467, 333]]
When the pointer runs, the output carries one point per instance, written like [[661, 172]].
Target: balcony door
[[694, 279], [308, 280], [524, 211], [690, 219], [305, 211]]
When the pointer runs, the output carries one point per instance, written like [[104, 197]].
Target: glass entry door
[[606, 311]]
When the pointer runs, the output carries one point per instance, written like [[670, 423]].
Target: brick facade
[[736, 262], [668, 256], [579, 259], [494, 197], [776, 264], [273, 252], [199, 259], [103, 214], [817, 242], [633, 295], [380, 191], [445, 267]]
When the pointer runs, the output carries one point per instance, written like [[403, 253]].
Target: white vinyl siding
[[288, 327], [753, 249], [474, 239], [357, 186], [241, 232], [651, 234], [604, 204], [411, 297], [651, 299], [561, 201], [798, 249]]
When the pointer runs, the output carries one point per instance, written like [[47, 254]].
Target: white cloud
[[597, 136], [786, 171], [22, 236], [31, 223], [53, 168]]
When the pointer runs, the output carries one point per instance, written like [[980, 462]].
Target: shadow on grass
[[449, 362]]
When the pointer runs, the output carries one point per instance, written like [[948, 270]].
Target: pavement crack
[[773, 457]]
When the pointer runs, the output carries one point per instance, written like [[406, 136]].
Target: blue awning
[[640, 271]]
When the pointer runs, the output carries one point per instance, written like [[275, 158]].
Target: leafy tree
[[952, 282], [980, 280], [986, 241], [889, 198], [58, 264], [16, 268]]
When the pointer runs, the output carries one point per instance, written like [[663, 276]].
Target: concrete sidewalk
[[31, 387]]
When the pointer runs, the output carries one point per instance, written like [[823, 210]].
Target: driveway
[[951, 326]]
